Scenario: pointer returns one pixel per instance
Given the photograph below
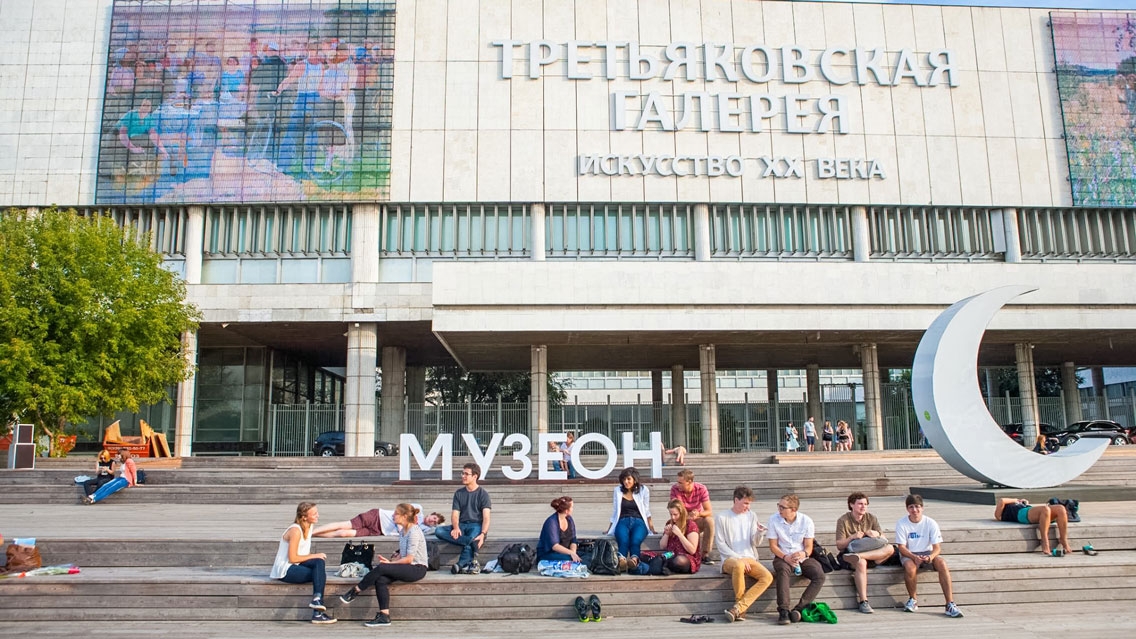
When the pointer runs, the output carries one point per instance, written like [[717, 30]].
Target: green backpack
[[818, 612]]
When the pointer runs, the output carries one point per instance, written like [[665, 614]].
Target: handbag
[[433, 555], [827, 562], [357, 553], [866, 544], [22, 558]]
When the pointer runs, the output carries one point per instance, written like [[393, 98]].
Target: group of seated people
[[689, 536]]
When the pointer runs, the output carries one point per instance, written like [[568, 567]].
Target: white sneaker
[[911, 605], [953, 610]]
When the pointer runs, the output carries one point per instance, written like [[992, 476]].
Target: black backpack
[[600, 555], [517, 558]]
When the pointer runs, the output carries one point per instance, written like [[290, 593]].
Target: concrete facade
[[535, 105]]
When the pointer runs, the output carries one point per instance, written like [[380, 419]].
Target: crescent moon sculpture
[[948, 403]]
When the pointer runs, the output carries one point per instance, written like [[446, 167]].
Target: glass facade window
[[662, 230], [930, 233], [230, 394], [1077, 233], [780, 231], [458, 230]]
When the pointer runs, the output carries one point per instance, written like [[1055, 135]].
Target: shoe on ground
[[321, 617], [952, 610], [866, 607], [708, 560], [379, 620], [594, 606], [349, 596], [795, 615], [474, 567], [317, 604], [455, 569], [911, 605], [733, 614], [582, 609], [783, 617]]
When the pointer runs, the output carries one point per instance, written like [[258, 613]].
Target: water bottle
[[797, 570], [668, 554]]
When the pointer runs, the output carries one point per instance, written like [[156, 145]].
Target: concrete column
[[812, 388], [1027, 392], [771, 394], [1013, 238], [707, 370], [678, 407], [416, 384], [393, 422], [1097, 374], [359, 390], [1071, 392], [702, 232], [194, 243], [657, 417], [861, 235], [186, 398], [537, 245], [365, 221], [538, 397], [873, 406]]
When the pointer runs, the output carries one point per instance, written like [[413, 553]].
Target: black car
[[1095, 428], [330, 444], [1015, 433]]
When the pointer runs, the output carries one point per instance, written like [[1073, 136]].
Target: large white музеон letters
[[444, 447], [945, 391]]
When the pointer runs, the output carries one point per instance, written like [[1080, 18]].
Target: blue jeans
[[556, 465], [312, 570], [629, 535], [109, 488], [554, 556], [469, 532]]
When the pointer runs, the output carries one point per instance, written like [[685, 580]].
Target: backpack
[[433, 555], [600, 555], [517, 558]]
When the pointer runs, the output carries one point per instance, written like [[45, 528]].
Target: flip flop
[[581, 609], [594, 605], [692, 619], [1089, 550]]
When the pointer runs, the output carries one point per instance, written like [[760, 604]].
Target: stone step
[[248, 594]]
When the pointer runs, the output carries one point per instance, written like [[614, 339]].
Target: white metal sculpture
[[945, 391]]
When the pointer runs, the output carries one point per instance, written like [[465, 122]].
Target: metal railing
[[294, 427]]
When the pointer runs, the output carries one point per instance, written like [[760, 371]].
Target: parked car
[[1015, 433], [1096, 428], [330, 444]]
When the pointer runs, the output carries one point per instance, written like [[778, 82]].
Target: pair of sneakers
[[381, 619], [318, 611], [589, 610], [472, 568], [786, 617], [951, 609]]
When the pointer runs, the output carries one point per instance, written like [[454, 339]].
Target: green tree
[[453, 385], [90, 321]]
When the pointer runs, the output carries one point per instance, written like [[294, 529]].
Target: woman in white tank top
[[296, 563]]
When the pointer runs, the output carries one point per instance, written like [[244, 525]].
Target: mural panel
[[1096, 81], [227, 101]]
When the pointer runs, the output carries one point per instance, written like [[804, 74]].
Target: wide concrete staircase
[[173, 577]]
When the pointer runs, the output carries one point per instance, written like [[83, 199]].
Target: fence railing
[[742, 426], [294, 427]]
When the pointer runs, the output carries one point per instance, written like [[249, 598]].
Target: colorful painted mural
[[1096, 81], [231, 101]]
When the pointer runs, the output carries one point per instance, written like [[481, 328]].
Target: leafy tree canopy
[[90, 321], [453, 385]]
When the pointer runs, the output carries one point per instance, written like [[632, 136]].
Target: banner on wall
[[1096, 83], [231, 102]]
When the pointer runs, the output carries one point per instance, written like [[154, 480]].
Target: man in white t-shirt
[[919, 540], [791, 537], [737, 533]]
